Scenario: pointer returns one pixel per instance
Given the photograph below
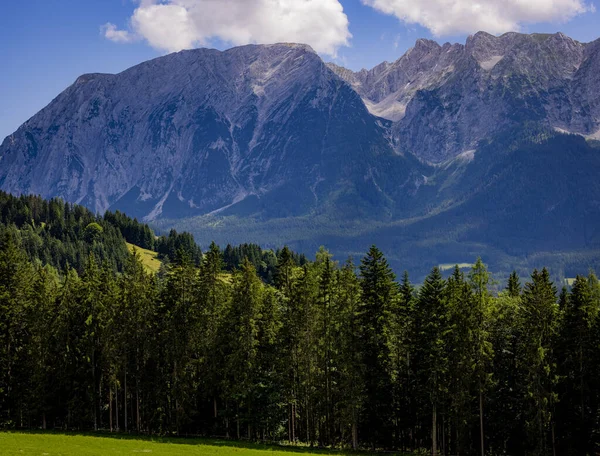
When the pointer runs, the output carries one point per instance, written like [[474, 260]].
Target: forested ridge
[[62, 235], [309, 351]]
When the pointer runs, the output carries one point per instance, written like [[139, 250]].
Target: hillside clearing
[[149, 258]]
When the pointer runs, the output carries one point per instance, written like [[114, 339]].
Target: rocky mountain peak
[[445, 99], [200, 131], [424, 47]]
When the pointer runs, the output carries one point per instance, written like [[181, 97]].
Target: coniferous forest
[[250, 343]]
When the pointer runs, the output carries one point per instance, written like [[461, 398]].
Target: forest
[[253, 344]]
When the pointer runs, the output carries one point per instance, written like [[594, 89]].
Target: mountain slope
[[526, 199], [199, 131], [451, 152]]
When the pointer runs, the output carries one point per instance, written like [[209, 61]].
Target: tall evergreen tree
[[514, 285], [400, 325], [577, 346], [379, 293], [213, 297], [461, 348], [177, 313], [242, 341], [16, 279], [351, 397], [537, 333], [479, 279], [431, 315]]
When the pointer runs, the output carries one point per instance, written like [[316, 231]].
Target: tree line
[[54, 232], [331, 355], [261, 344]]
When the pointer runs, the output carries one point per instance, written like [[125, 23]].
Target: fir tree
[[431, 359], [379, 293], [514, 285]]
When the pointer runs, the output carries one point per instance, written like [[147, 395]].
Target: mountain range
[[451, 152]]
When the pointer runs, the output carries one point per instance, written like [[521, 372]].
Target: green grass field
[[149, 258], [52, 444]]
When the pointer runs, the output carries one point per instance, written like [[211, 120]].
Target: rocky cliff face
[[199, 131], [273, 130], [445, 99]]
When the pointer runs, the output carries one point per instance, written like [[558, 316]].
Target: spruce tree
[[479, 280], [351, 397], [379, 294], [514, 285], [575, 352], [462, 366], [213, 299], [16, 279], [431, 315], [242, 326], [537, 333]]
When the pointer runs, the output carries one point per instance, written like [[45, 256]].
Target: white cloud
[[450, 17], [111, 32], [172, 25]]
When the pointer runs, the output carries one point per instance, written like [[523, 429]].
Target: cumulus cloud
[[172, 25], [111, 32], [449, 17]]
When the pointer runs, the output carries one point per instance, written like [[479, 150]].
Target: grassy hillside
[[149, 258], [71, 444]]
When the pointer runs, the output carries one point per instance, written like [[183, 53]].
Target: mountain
[[199, 131], [451, 152], [445, 99]]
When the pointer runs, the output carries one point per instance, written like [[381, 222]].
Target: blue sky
[[47, 44]]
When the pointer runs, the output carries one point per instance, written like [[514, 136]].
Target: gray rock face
[[445, 99], [198, 131], [273, 130]]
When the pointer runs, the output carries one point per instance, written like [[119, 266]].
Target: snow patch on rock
[[467, 156], [490, 63], [595, 136], [390, 108]]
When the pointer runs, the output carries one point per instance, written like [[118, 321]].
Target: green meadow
[[52, 444]]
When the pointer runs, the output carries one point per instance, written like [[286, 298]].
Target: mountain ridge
[[269, 144], [453, 85], [192, 112]]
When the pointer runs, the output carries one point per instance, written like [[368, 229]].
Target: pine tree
[[326, 361], [304, 299], [505, 413], [537, 332], [400, 339], [479, 279], [379, 293], [514, 285], [431, 315], [242, 326], [351, 388], [268, 413], [213, 296], [178, 302], [284, 271], [137, 291], [576, 350], [43, 361], [92, 307], [16, 279], [462, 366]]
